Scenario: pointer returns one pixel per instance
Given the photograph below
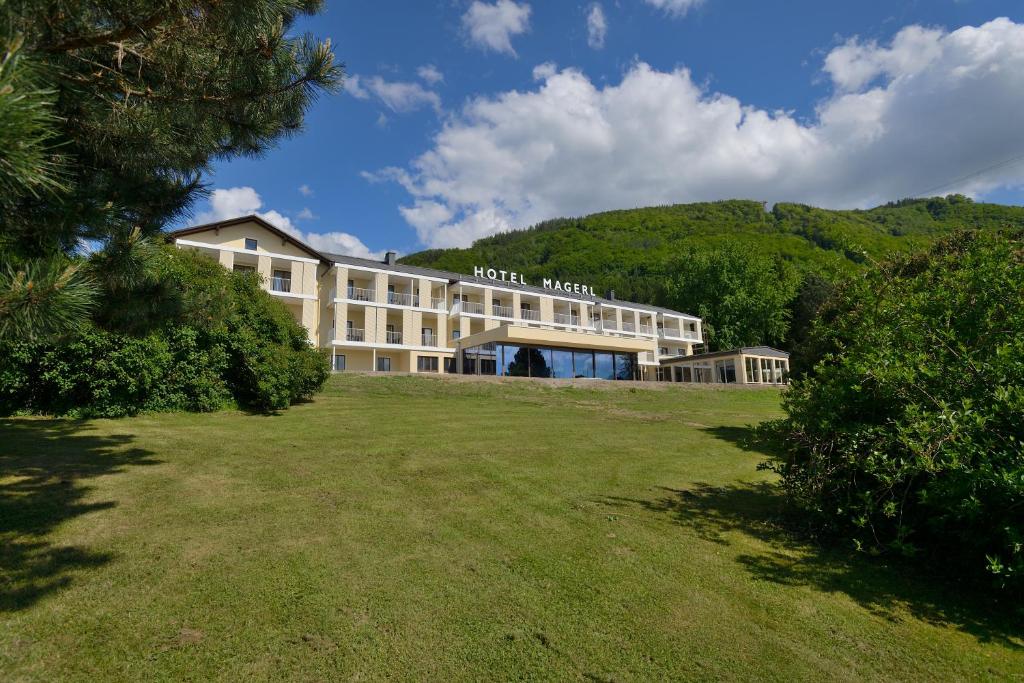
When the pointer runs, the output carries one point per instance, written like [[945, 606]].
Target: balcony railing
[[355, 335], [280, 284], [628, 327], [430, 340], [567, 319], [393, 337], [360, 294], [469, 307], [646, 329], [502, 311], [607, 326], [527, 314], [438, 303], [400, 299]]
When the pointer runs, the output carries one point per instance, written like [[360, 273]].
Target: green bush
[[908, 434], [213, 338]]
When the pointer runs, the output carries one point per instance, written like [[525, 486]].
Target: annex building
[[382, 316]]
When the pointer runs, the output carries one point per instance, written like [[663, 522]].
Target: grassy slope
[[621, 249], [431, 529]]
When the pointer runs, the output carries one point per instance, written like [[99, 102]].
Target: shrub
[[215, 338], [908, 434]]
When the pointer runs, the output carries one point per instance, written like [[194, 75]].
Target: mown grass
[[424, 529]]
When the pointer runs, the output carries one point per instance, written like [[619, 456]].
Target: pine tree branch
[[119, 35]]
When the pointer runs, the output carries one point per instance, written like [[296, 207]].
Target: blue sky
[[465, 118]]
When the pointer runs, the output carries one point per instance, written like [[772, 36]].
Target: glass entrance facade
[[510, 360]]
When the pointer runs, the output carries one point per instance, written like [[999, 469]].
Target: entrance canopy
[[536, 336]]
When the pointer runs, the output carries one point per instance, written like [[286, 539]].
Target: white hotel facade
[[387, 317]]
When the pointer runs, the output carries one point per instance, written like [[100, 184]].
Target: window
[[383, 364], [456, 334], [450, 366], [250, 244], [725, 370], [339, 363], [238, 268], [427, 336], [663, 350], [282, 281], [426, 364]]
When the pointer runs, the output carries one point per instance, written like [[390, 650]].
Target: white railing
[[401, 299], [567, 319], [438, 304], [502, 311], [646, 329], [355, 335], [430, 340], [527, 314], [607, 326], [393, 337], [359, 294], [628, 327], [468, 307], [281, 284]]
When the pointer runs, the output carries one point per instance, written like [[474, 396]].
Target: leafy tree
[[907, 435], [138, 97], [744, 298]]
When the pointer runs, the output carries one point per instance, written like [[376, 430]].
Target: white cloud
[[491, 26], [676, 8], [398, 96], [430, 74], [354, 87], [597, 26], [306, 214], [235, 202], [945, 108], [305, 190]]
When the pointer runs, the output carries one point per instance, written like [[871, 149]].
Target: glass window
[[488, 362], [339, 363], [426, 363], [469, 361], [687, 374], [766, 370], [540, 363], [583, 364], [383, 364], [516, 361], [604, 365], [456, 334], [561, 363], [250, 244], [625, 366], [450, 366]]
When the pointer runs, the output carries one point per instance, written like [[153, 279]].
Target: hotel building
[[378, 316]]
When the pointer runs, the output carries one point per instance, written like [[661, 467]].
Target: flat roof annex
[[766, 351]]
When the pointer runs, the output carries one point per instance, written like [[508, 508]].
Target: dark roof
[[452, 277], [746, 351], [251, 219]]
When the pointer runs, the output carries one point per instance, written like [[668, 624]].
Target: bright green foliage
[[743, 297], [631, 251], [908, 435], [214, 338]]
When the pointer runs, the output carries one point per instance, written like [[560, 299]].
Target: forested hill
[[629, 250]]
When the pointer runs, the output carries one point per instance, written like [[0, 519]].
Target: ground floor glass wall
[[509, 360]]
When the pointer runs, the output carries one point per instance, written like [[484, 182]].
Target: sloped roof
[[251, 219]]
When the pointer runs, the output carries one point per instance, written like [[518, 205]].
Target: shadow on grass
[[42, 466], [889, 590]]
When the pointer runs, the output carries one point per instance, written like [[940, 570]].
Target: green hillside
[[629, 250]]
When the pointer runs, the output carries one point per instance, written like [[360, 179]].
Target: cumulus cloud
[[354, 87], [491, 26], [399, 96], [235, 202], [306, 214], [430, 74], [305, 190], [923, 116], [676, 8], [597, 26]]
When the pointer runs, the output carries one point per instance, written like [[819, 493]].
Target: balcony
[[399, 299], [430, 340], [360, 294], [468, 307], [393, 337], [607, 326], [354, 335], [567, 319], [438, 303], [527, 314], [646, 329], [628, 327], [502, 311], [281, 284]]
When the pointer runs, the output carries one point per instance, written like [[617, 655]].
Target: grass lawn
[[413, 528]]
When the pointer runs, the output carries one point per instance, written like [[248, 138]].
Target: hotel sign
[[518, 279]]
